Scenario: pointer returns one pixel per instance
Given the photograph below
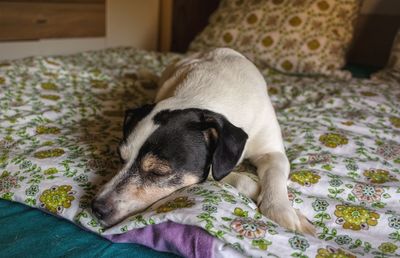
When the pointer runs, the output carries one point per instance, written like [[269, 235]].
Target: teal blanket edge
[[28, 232]]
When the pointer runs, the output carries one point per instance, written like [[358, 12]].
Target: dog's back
[[221, 80]]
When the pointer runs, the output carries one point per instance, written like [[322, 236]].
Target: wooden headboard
[[371, 46], [43, 19]]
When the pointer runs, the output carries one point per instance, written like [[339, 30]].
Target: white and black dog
[[212, 111]]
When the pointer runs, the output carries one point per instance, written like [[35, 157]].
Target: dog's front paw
[[286, 216]]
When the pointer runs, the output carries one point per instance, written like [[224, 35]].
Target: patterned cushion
[[392, 70], [292, 36]]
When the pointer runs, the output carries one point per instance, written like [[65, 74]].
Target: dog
[[212, 111]]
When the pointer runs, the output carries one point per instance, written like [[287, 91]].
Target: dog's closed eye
[[159, 172], [152, 164]]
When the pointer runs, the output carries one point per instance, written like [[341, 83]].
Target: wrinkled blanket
[[60, 124]]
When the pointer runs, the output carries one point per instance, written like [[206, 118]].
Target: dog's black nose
[[101, 209]]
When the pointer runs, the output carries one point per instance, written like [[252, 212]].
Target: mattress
[[61, 122]]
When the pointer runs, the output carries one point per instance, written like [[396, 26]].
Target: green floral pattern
[[330, 252], [249, 228], [178, 203], [333, 140], [61, 122], [355, 217], [7, 182], [379, 176], [304, 177], [57, 198]]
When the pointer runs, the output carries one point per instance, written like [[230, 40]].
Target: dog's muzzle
[[102, 209]]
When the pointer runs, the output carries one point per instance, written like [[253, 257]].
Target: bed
[[341, 138]]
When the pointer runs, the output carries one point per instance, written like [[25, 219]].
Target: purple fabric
[[184, 240]]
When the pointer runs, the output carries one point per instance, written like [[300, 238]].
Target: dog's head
[[164, 151]]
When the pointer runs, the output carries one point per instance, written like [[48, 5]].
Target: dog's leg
[[243, 184], [273, 170]]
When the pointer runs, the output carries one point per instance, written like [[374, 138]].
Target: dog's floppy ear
[[228, 142], [133, 116]]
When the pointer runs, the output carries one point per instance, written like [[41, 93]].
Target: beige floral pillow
[[392, 70], [292, 36]]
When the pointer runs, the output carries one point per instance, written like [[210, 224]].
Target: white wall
[[128, 23], [133, 23]]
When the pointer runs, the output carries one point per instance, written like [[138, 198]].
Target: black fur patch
[[181, 140]]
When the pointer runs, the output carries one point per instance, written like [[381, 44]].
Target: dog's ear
[[226, 140], [133, 116]]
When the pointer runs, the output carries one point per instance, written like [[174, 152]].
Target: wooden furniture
[[39, 19]]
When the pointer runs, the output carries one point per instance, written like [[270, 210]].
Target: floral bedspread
[[60, 123]]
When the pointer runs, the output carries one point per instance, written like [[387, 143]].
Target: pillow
[[292, 36], [392, 70]]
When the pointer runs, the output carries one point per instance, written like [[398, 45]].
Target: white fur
[[225, 82]]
